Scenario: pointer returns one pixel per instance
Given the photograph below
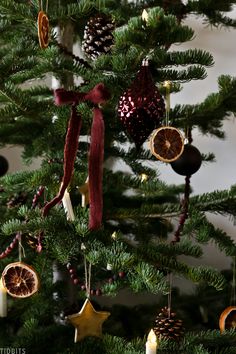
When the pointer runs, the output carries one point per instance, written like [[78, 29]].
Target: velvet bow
[[98, 95]]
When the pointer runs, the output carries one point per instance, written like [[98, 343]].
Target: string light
[[145, 16]]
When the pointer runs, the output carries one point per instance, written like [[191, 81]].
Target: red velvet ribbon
[[99, 94]]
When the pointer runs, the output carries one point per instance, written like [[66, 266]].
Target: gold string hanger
[[167, 85], [41, 5]]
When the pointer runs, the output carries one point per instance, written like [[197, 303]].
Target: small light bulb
[[114, 235], [145, 16], [83, 247], [109, 266], [144, 177], [167, 84]]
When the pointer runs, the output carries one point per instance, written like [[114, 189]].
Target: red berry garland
[[12, 245], [184, 214], [14, 242], [55, 160], [66, 51], [36, 197], [189, 169], [93, 292]]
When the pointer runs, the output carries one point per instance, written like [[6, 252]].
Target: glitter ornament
[[141, 107]]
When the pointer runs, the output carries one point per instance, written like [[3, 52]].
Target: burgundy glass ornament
[[141, 107]]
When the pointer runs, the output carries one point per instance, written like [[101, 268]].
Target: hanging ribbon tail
[[70, 150], [96, 156], [61, 96], [99, 94]]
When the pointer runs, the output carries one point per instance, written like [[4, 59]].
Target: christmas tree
[[84, 85]]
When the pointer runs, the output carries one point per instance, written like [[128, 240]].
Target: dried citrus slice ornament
[[167, 143], [20, 280], [43, 29], [228, 318]]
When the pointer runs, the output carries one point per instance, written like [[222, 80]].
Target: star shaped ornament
[[88, 322], [84, 191]]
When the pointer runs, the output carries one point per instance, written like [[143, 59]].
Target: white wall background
[[211, 176], [221, 174]]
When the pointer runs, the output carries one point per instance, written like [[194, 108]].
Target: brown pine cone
[[98, 37], [167, 326]]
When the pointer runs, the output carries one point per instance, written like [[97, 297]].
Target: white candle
[[3, 300], [68, 206], [151, 344]]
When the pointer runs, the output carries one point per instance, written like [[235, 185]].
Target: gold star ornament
[[88, 322], [84, 191]]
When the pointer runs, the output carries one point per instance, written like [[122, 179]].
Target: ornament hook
[[145, 62]]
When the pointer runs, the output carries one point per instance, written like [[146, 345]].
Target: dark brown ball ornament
[[141, 107], [3, 165], [189, 162]]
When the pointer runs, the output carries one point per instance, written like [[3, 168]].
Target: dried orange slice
[[167, 143], [228, 318], [43, 29], [20, 280]]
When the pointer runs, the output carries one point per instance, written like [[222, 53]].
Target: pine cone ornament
[[98, 37], [167, 326], [141, 107], [17, 200]]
